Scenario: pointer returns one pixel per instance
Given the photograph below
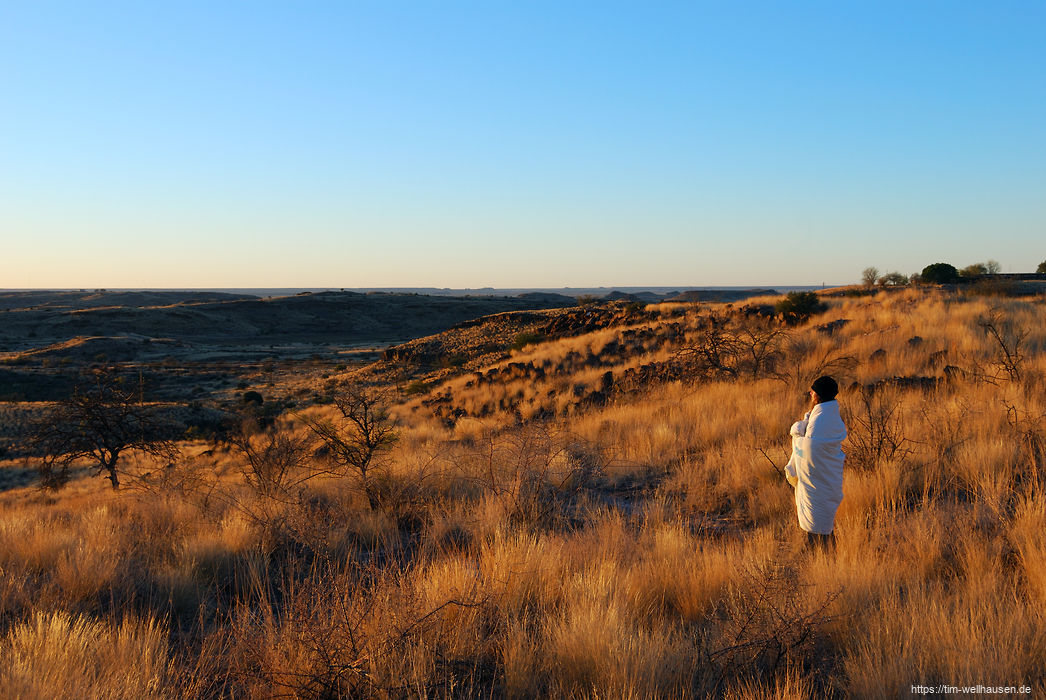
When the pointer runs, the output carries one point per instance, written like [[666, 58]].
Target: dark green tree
[[1041, 269], [939, 273], [798, 306]]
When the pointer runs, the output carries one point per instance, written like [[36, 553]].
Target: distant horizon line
[[609, 288]]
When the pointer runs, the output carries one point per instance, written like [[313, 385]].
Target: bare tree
[[726, 348], [363, 430], [102, 420], [714, 352], [759, 345], [893, 279], [869, 276]]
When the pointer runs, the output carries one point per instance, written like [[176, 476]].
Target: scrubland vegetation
[[595, 515]]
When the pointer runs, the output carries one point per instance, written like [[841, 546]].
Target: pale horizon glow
[[471, 145]]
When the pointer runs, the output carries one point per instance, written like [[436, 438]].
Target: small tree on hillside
[[992, 267], [102, 420], [939, 273], [798, 306], [870, 276], [973, 271], [363, 430]]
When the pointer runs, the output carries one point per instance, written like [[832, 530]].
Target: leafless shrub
[[760, 346], [275, 461], [976, 369], [717, 349], [407, 494], [536, 472], [876, 431], [1029, 432], [1009, 337], [276, 465], [945, 430], [771, 623], [360, 632], [728, 348], [189, 479]]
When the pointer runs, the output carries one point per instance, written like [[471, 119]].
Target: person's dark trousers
[[823, 543]]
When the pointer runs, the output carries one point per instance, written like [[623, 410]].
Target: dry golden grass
[[497, 566], [61, 655]]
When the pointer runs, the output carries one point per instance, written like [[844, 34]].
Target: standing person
[[816, 466]]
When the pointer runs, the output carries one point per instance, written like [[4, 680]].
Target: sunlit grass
[[488, 572]]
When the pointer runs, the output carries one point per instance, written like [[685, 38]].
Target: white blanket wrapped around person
[[815, 468], [797, 432]]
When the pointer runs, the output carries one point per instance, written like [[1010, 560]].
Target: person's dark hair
[[825, 388]]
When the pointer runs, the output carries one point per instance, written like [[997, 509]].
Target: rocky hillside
[[533, 365]]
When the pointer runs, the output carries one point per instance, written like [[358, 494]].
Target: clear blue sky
[[540, 144]]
